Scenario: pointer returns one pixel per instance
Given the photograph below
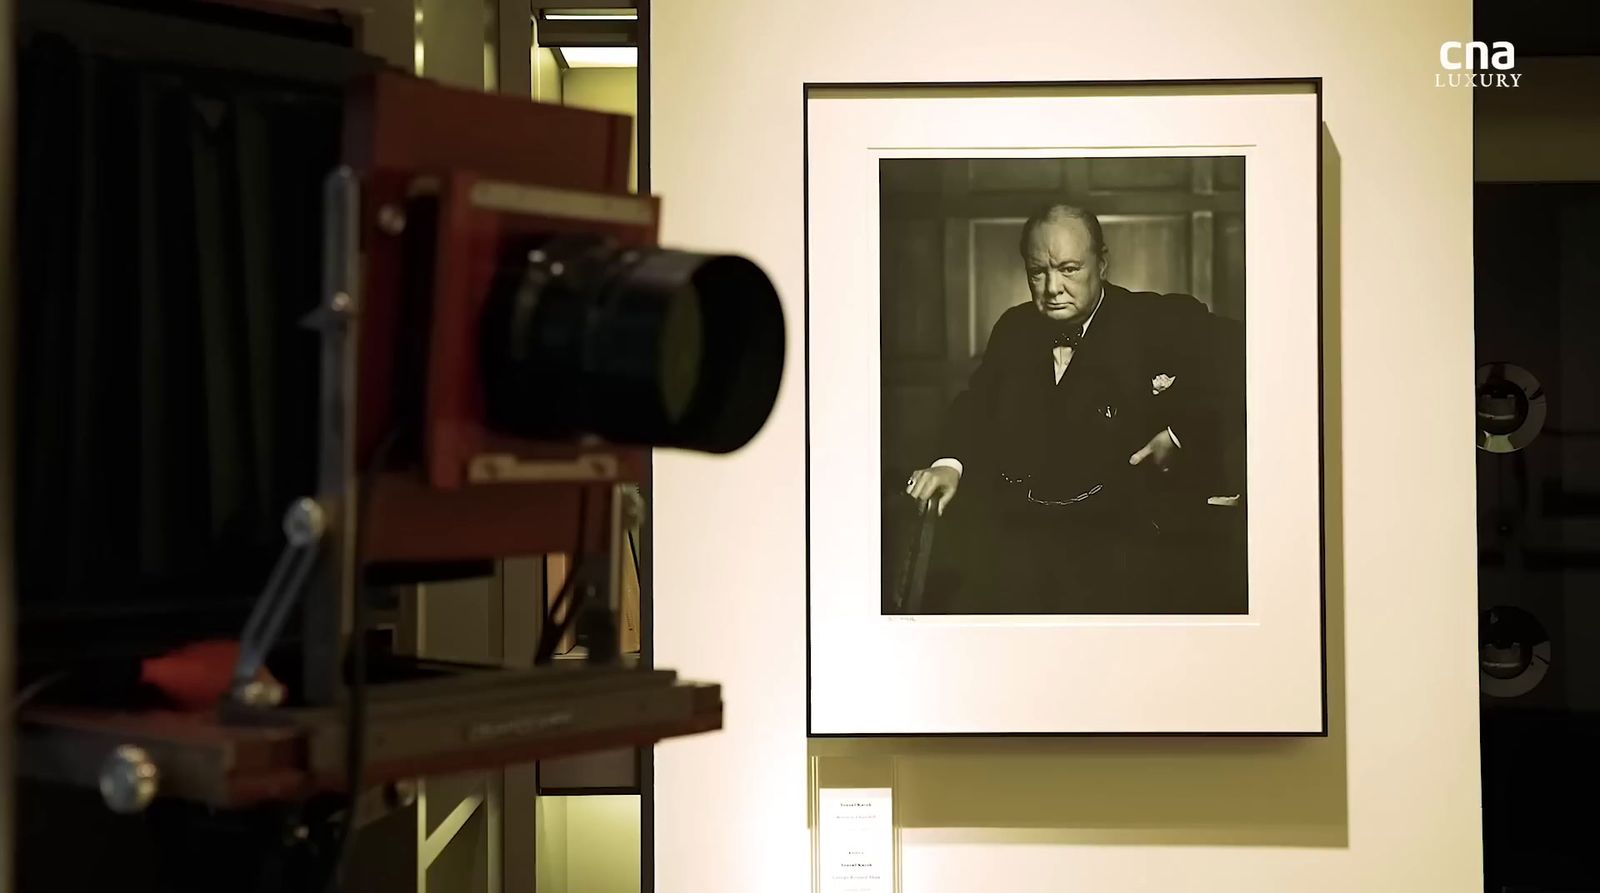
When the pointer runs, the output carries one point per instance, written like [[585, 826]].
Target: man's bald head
[[1064, 214]]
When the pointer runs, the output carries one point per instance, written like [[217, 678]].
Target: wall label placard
[[855, 840]]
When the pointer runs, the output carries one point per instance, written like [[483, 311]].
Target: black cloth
[[1049, 516], [168, 246]]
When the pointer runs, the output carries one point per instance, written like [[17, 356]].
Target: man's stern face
[[1064, 271]]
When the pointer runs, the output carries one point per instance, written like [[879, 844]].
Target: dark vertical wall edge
[[7, 439], [514, 47], [646, 755]]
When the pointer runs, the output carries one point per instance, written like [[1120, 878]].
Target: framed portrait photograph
[[1064, 432]]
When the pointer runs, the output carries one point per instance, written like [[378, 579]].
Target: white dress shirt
[[1062, 356]]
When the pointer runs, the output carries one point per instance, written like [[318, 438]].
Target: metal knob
[[400, 794], [391, 220], [304, 522], [129, 780], [261, 693]]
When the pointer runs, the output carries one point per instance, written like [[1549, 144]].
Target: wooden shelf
[[480, 720]]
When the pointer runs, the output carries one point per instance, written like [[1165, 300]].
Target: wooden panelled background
[[949, 266]]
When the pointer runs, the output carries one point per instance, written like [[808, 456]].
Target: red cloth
[[195, 676]]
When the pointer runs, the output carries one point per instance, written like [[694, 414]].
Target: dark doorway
[[1538, 350]]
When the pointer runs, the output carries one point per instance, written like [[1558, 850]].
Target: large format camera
[[297, 345]]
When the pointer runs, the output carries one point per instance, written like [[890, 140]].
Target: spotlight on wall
[[593, 15], [590, 37], [598, 57]]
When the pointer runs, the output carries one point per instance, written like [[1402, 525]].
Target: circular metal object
[[400, 794], [1514, 652], [261, 693], [304, 522], [1511, 407], [129, 780], [391, 220], [341, 302]]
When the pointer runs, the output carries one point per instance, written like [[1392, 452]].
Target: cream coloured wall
[[603, 843], [614, 90], [453, 34], [546, 75], [1389, 801], [589, 844]]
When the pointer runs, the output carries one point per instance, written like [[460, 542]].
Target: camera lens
[[639, 346]]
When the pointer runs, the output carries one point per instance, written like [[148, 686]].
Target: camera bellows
[[637, 346]]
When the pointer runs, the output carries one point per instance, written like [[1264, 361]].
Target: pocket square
[[1161, 383]]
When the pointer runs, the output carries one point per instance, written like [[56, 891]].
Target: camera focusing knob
[[129, 780]]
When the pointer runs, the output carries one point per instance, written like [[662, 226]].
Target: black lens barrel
[[638, 346]]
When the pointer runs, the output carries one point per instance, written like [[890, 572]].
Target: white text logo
[[1468, 64]]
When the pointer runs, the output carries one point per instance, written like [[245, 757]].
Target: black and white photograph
[[1064, 353], [1062, 385]]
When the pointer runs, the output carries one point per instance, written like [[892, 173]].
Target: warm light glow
[[606, 16], [417, 52], [601, 57]]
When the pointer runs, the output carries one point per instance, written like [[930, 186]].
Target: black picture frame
[[1315, 85]]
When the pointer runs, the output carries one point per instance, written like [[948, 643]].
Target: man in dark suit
[[1097, 450]]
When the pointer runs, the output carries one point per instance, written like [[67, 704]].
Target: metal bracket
[[600, 595], [491, 468], [303, 525], [329, 610]]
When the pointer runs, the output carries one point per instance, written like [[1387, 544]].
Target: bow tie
[[1069, 336]]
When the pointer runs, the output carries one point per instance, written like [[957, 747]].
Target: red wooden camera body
[[468, 178]]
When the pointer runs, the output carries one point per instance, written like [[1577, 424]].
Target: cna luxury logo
[[1477, 64]]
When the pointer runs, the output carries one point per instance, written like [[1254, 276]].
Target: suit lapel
[[1102, 343]]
